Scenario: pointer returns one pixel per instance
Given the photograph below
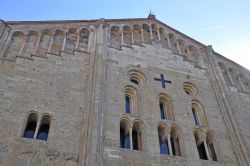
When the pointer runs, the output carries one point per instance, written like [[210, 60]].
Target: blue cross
[[163, 81]]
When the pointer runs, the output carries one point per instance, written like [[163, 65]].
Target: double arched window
[[169, 140], [205, 143], [131, 134], [36, 128]]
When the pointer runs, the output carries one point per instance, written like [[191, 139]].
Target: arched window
[[124, 134], [131, 100], [83, 39], [175, 141], [137, 35], [137, 135], [198, 113], [43, 131], [190, 88], [115, 37], [211, 146], [200, 139], [165, 107], [146, 34], [15, 45], [163, 139], [57, 43], [44, 42], [71, 39], [30, 127]]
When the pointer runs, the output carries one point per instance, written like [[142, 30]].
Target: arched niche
[[15, 45], [83, 39], [155, 33], [71, 39], [127, 36], [163, 36], [115, 40], [44, 43], [146, 34], [137, 35], [57, 43], [30, 44]]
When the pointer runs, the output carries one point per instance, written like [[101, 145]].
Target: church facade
[[118, 92]]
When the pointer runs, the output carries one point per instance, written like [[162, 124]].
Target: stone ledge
[[24, 57]]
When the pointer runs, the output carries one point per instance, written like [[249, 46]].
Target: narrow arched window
[[210, 144], [199, 139], [128, 104], [175, 141], [124, 135], [43, 131], [195, 116], [162, 110], [30, 128]]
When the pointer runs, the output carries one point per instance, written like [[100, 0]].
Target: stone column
[[77, 39], [22, 47], [122, 36], [168, 40], [130, 136], [51, 42], [132, 36], [178, 47], [206, 148], [142, 36], [170, 146], [64, 41], [158, 34], [151, 33], [37, 43]]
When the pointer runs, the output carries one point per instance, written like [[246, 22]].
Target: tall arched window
[[30, 127], [43, 131], [131, 100], [198, 113], [163, 139], [137, 135], [165, 107], [211, 146], [124, 134]]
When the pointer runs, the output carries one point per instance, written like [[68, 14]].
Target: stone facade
[[114, 92]]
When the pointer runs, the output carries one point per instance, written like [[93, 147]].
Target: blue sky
[[225, 24]]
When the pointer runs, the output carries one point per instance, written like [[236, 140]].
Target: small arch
[[189, 88], [198, 113], [127, 36], [31, 124], [44, 42], [146, 34], [173, 43], [57, 43], [44, 127], [30, 43], [124, 133], [83, 39], [165, 106], [131, 100], [115, 40], [15, 45], [71, 40], [155, 33], [193, 54], [137, 135], [136, 76], [137, 35]]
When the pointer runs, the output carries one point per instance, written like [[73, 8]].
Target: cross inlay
[[162, 80]]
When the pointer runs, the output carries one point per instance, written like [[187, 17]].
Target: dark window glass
[[127, 105], [213, 153], [43, 132], [30, 130], [134, 81], [124, 139], [202, 151], [164, 148], [162, 111], [196, 121], [135, 140]]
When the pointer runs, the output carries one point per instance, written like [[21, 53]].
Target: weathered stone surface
[[78, 73]]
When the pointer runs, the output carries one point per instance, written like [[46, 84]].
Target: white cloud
[[212, 28]]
